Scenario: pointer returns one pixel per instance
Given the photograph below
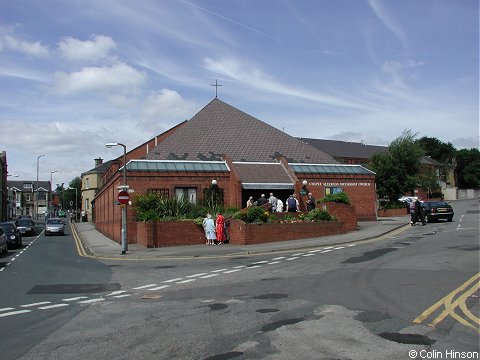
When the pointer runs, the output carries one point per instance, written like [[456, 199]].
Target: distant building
[[26, 201]]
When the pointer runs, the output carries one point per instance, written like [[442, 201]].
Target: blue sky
[[77, 74]]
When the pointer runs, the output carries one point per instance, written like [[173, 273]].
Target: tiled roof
[[19, 184], [220, 129], [99, 169], [345, 149], [273, 174]]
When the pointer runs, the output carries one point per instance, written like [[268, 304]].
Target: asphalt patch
[[217, 306], [473, 211], [369, 255], [74, 288], [466, 248], [166, 267], [225, 356], [270, 296], [277, 324], [411, 339], [266, 311], [372, 316]]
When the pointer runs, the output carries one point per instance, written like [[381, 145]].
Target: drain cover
[[74, 288]]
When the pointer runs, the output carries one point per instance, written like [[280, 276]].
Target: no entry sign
[[123, 197]]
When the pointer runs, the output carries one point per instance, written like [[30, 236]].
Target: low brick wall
[[173, 233], [246, 234], [169, 233]]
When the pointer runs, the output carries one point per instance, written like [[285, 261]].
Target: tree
[[468, 168], [442, 152], [397, 169]]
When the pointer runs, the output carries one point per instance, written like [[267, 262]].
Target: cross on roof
[[216, 87]]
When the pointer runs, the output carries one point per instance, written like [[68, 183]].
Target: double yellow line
[[456, 300]]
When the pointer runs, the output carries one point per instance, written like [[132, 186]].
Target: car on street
[[54, 226], [14, 238], [436, 210], [3, 242], [62, 214], [408, 199], [26, 227]]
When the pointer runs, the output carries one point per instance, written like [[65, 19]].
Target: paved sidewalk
[[100, 246]]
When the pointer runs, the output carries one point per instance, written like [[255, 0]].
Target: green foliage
[[254, 214], [468, 168], [318, 215], [152, 206], [340, 197], [442, 152], [397, 169]]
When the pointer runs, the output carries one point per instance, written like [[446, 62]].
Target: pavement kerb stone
[[110, 250]]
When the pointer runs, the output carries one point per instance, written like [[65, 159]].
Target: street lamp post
[[125, 188], [36, 194], [51, 193]]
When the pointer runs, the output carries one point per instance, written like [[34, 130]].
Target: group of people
[[416, 212], [277, 205], [215, 231]]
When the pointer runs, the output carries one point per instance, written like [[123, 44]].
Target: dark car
[[26, 227], [3, 242], [14, 238], [436, 210]]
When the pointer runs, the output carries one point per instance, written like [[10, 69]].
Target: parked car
[[436, 210], [62, 214], [14, 238], [26, 227], [3, 242], [408, 199], [54, 226]]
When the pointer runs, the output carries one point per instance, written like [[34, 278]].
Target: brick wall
[[169, 233]]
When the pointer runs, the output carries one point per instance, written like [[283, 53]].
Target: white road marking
[[274, 262], [172, 280], [186, 281], [144, 286], [159, 288], [52, 306], [279, 258], [298, 254], [219, 270], [118, 292], [351, 245], [75, 298], [36, 304], [91, 301], [325, 251], [292, 258], [254, 266], [15, 313], [260, 262], [309, 255], [232, 271], [339, 248], [208, 276], [122, 296], [7, 309], [195, 275], [239, 266]]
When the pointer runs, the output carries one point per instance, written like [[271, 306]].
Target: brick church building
[[241, 154]]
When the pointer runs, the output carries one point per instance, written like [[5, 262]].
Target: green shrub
[[340, 197], [318, 215]]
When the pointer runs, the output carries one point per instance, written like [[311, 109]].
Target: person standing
[[310, 202], [262, 200], [273, 203], [279, 205], [419, 212], [209, 227], [291, 204], [220, 228], [250, 201]]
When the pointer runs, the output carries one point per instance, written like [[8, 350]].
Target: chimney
[[98, 161]]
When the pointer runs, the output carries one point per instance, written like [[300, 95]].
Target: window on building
[[333, 190], [161, 191], [28, 186], [87, 183], [27, 197], [87, 205], [42, 196], [187, 193]]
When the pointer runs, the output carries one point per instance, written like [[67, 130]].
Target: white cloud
[[387, 20], [98, 48], [35, 49], [120, 77], [165, 107]]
